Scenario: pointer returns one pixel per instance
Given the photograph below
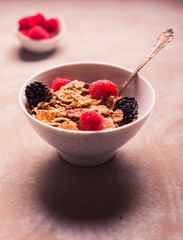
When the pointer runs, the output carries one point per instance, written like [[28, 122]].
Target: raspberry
[[103, 89], [38, 32], [26, 23], [91, 121], [39, 19], [129, 107], [37, 92], [31, 21], [58, 83], [52, 25], [24, 32]]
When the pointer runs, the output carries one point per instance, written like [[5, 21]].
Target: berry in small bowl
[[80, 127], [39, 34]]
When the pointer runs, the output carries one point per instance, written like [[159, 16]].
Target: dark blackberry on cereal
[[37, 92], [129, 107]]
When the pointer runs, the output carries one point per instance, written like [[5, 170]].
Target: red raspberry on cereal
[[38, 32], [52, 25], [91, 121], [103, 89], [58, 83]]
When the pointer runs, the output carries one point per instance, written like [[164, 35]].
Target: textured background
[[139, 194]]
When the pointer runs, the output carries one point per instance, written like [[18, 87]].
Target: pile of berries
[[38, 27], [37, 92]]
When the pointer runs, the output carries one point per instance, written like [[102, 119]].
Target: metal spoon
[[161, 42]]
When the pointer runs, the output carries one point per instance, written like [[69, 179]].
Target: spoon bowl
[[90, 148]]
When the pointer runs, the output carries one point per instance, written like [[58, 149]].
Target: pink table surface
[[139, 194]]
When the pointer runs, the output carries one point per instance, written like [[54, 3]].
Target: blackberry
[[37, 92], [129, 106]]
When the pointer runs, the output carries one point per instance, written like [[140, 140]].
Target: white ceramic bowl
[[88, 148], [41, 46]]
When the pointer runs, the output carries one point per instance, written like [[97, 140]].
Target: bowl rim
[[80, 131], [44, 41]]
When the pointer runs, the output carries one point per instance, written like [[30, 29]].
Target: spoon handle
[[161, 42]]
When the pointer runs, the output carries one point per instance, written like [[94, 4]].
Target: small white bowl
[[41, 46], [89, 148]]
